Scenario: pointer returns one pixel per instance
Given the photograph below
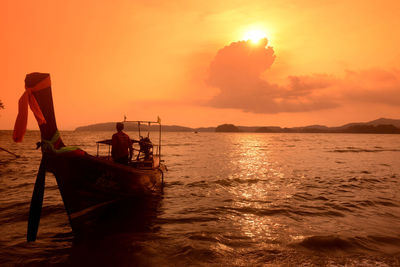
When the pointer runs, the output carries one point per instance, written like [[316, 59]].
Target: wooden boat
[[87, 183]]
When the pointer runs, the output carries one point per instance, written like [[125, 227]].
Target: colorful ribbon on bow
[[29, 98]]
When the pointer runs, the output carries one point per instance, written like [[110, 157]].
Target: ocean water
[[230, 199]]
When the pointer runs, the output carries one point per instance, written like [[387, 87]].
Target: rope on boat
[[50, 145], [162, 176]]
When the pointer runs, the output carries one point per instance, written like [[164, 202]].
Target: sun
[[254, 36]]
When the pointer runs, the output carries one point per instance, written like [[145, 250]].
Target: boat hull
[[90, 185]]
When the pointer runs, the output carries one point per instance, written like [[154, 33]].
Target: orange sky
[[332, 62]]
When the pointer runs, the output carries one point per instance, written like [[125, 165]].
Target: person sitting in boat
[[146, 148], [122, 149]]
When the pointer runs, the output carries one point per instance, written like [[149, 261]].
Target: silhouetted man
[[122, 149]]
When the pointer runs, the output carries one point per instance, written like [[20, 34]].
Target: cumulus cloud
[[236, 71]]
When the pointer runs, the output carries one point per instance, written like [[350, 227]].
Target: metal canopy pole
[[159, 144]]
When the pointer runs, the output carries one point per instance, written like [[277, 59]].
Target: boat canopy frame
[[140, 123]]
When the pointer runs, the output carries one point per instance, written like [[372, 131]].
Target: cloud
[[236, 71], [372, 86]]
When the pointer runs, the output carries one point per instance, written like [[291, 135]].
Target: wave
[[21, 185], [52, 209], [368, 203], [331, 243], [327, 213], [4, 162], [179, 144], [343, 206], [335, 243], [201, 184], [360, 150], [186, 220], [286, 211], [18, 212], [173, 183], [191, 253], [14, 206], [235, 181]]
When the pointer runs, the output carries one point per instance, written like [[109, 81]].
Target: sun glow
[[254, 36]]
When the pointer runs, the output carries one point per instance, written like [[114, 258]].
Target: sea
[[229, 199]]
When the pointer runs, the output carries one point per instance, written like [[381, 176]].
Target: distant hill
[[382, 125], [384, 121], [369, 128], [269, 129], [381, 121], [205, 129], [227, 128], [106, 126], [131, 126]]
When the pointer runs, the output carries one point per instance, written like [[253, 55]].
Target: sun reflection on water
[[260, 179]]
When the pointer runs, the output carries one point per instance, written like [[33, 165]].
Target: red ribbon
[[22, 118]]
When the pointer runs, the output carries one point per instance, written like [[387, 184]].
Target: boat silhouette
[[88, 184]]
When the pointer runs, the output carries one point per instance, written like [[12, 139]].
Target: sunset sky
[[326, 62]]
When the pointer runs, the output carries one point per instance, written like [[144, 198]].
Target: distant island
[[227, 128], [382, 125]]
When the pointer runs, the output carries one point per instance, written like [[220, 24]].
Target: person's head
[[120, 126]]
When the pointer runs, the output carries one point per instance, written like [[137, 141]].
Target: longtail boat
[[87, 183]]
